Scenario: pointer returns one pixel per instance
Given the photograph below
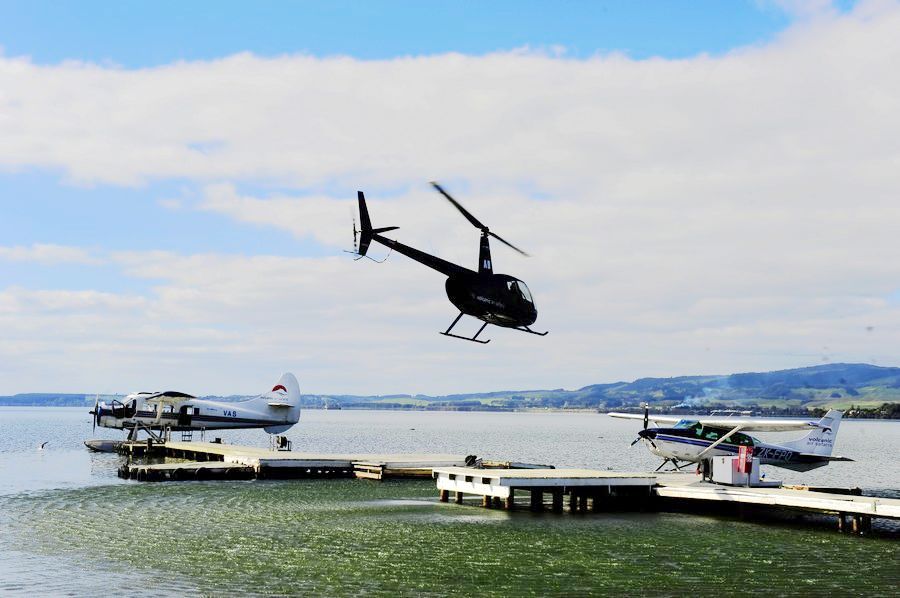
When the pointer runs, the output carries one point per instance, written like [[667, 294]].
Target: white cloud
[[47, 254], [696, 215]]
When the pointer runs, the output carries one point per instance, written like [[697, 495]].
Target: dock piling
[[557, 501]]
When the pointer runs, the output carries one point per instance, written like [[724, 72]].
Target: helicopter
[[497, 299]]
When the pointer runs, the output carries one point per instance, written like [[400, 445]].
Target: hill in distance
[[838, 385]]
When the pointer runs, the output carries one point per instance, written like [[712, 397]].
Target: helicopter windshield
[[519, 287]]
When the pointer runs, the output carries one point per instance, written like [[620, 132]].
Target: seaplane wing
[[747, 424]]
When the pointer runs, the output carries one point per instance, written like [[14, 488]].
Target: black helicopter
[[497, 299]]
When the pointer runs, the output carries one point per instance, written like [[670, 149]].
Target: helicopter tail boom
[[366, 231]]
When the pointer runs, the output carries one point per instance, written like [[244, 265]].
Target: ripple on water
[[343, 537], [68, 522]]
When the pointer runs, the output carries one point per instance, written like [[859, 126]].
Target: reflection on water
[[70, 525]]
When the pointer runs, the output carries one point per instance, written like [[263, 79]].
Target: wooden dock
[[854, 512], [590, 490], [208, 460], [497, 484], [586, 489]]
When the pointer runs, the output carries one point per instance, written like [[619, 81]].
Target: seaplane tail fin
[[820, 441], [284, 399], [285, 392]]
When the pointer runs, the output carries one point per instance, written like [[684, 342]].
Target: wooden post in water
[[582, 503], [841, 521], [557, 501], [445, 495], [510, 503], [497, 502], [459, 497], [573, 501], [537, 500], [486, 501]]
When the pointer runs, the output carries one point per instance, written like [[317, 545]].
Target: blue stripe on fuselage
[[732, 448]]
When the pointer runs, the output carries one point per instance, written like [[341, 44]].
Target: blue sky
[[139, 34], [176, 186]]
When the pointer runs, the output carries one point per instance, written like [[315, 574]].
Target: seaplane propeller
[[642, 433], [95, 412]]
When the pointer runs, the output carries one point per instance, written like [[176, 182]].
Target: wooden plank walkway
[[585, 487], [807, 500], [601, 490], [268, 463]]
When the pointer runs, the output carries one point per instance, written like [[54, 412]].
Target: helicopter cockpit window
[[518, 287], [526, 294]]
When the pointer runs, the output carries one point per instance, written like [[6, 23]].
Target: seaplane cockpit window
[[684, 424]]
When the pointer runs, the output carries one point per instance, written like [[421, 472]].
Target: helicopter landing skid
[[474, 339], [530, 331]]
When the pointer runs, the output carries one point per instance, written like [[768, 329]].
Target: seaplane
[[693, 440], [156, 413]]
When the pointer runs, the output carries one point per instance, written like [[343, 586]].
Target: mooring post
[[582, 503], [537, 500], [445, 495], [857, 520], [510, 500], [486, 501], [557, 501], [459, 497], [841, 523], [573, 501]]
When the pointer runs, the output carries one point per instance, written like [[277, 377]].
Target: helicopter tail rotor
[[366, 232]]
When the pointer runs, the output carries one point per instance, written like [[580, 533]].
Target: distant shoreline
[[469, 410]]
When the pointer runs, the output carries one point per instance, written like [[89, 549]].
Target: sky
[[704, 187]]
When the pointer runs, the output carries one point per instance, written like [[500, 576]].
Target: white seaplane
[[274, 411], [693, 439]]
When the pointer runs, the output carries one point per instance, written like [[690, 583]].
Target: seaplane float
[[690, 440], [158, 413]]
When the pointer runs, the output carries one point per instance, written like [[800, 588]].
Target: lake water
[[68, 525]]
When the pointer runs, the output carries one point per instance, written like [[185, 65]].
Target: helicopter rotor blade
[[507, 243], [475, 222]]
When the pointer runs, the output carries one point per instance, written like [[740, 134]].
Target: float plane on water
[[693, 439], [274, 411]]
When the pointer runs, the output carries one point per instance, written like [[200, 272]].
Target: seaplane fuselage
[[696, 440], [275, 411]]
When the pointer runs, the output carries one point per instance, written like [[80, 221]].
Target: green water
[[347, 537]]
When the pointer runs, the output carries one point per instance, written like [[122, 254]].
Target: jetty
[[211, 460], [599, 491], [504, 484]]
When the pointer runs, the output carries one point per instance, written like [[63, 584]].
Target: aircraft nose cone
[[648, 434]]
